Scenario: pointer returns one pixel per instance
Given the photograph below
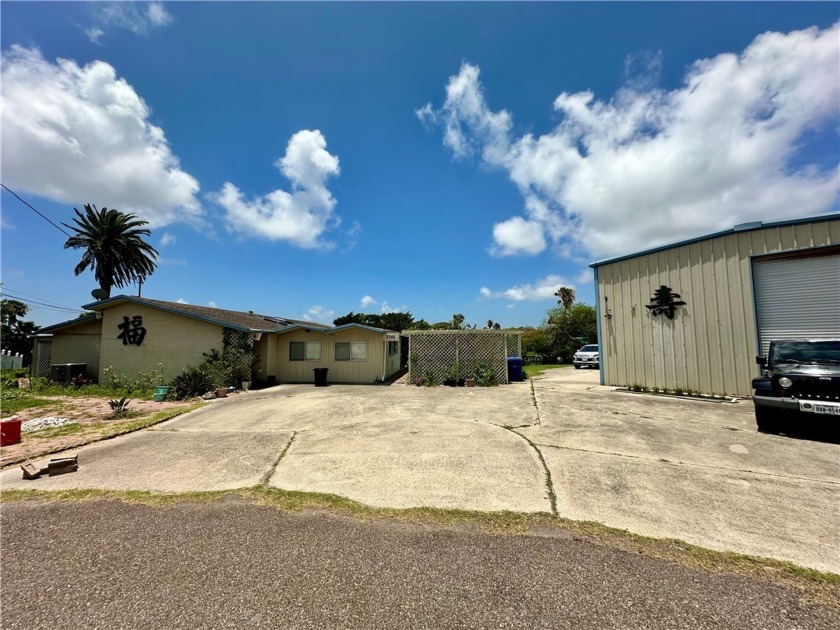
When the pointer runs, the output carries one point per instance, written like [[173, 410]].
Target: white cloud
[[168, 239], [137, 17], [212, 304], [94, 34], [157, 14], [585, 277], [386, 308], [367, 301], [652, 166], [81, 134], [518, 236], [164, 261], [319, 315], [299, 217], [543, 289], [351, 237], [181, 301]]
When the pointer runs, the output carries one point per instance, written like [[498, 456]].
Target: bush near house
[[194, 381]]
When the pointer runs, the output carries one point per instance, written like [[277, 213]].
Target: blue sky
[[306, 160]]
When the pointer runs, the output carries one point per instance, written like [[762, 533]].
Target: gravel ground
[[231, 564]]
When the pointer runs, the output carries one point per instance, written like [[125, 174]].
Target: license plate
[[830, 408]]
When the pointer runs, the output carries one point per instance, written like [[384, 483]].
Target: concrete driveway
[[663, 467]]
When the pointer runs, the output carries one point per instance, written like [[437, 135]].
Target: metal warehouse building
[[693, 315]]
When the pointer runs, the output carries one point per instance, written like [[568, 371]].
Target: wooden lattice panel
[[434, 352]]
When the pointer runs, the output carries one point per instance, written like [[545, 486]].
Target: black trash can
[[514, 369], [321, 376]]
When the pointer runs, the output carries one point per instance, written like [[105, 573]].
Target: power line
[[44, 301], [40, 305], [26, 203]]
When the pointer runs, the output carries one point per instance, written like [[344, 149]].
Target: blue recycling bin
[[515, 369]]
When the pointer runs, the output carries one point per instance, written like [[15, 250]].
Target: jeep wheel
[[767, 420], [577, 367]]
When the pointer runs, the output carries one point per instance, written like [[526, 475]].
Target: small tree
[[570, 328], [16, 333]]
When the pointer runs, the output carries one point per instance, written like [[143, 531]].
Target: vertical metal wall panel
[[77, 348], [797, 297], [339, 371], [709, 345]]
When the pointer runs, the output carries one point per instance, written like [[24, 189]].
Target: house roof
[[335, 329], [743, 227], [238, 320], [70, 323]]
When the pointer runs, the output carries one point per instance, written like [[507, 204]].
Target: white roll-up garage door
[[797, 297]]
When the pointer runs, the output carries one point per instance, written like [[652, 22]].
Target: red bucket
[[10, 431]]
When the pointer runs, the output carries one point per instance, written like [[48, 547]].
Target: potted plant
[[450, 377]]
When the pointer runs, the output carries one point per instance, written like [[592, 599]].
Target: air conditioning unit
[[64, 372]]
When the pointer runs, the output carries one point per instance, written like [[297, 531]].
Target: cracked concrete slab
[[756, 514], [419, 461], [165, 461], [717, 435], [696, 471]]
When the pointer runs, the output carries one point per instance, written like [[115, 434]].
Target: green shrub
[[428, 379], [119, 408], [194, 381], [484, 375]]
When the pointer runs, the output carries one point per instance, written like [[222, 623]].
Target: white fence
[[9, 361]]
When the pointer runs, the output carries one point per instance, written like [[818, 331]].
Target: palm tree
[[567, 297], [114, 247]]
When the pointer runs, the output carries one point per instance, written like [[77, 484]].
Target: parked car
[[588, 356], [801, 383]]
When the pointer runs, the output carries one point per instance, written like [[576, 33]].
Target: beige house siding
[[79, 345], [711, 343], [175, 341], [340, 371]]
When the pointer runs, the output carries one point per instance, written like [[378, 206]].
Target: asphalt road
[[231, 564]]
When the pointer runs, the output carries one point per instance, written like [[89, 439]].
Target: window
[[304, 351], [346, 351], [393, 348]]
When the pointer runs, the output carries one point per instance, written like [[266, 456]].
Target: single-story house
[[132, 335], [693, 315]]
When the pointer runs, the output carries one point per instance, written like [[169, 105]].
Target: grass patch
[[535, 370], [819, 586], [14, 400]]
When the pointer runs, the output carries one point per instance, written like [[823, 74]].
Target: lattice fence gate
[[432, 353]]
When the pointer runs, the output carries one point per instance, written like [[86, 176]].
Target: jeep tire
[[767, 419]]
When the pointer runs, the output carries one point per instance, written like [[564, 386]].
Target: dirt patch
[[93, 421]]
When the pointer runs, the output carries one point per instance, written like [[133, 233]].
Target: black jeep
[[801, 381]]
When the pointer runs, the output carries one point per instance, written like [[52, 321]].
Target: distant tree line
[[405, 321]]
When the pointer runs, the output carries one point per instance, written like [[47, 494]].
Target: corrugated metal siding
[[77, 348], [175, 341], [797, 297], [340, 371], [710, 344]]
